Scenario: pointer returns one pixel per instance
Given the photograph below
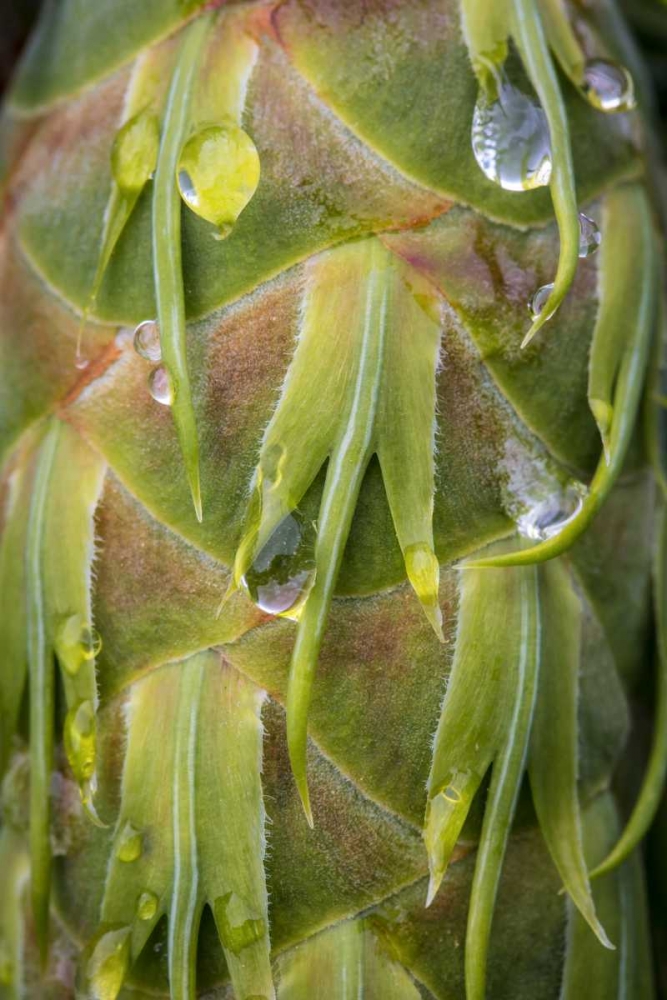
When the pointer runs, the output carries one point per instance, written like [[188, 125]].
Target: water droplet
[[540, 299], [589, 236], [283, 571], [451, 794], [218, 174], [548, 517], [510, 139], [237, 930], [80, 362], [107, 960], [147, 905], [160, 386], [81, 741], [608, 86], [147, 340], [129, 844], [135, 150], [76, 642]]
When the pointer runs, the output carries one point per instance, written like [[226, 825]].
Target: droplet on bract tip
[[283, 571], [608, 86], [105, 962], [160, 386], [147, 341], [135, 151], [547, 518], [510, 139], [80, 741], [147, 905], [218, 174], [76, 642], [589, 236], [129, 844], [540, 299]]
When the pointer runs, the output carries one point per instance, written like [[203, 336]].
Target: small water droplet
[[135, 150], [283, 571], [106, 962], [147, 340], [608, 86], [237, 930], [76, 642], [160, 386], [451, 794], [589, 236], [540, 299], [147, 905], [218, 174], [129, 844], [80, 362], [510, 139], [80, 740], [548, 517]]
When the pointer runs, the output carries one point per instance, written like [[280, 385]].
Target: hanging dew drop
[[147, 341], [549, 516], [76, 642], [589, 236], [107, 963], [283, 571], [218, 174], [147, 905], [160, 386], [510, 139], [80, 741], [608, 86], [134, 152], [130, 844], [540, 299]]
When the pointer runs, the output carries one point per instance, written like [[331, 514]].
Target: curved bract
[[294, 508]]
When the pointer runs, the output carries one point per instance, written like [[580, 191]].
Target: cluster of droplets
[[147, 345], [549, 516], [218, 174], [589, 241]]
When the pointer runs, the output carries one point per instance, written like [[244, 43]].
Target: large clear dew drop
[[283, 571], [549, 516], [218, 174], [510, 139], [589, 236], [608, 86], [539, 300], [160, 386], [147, 341]]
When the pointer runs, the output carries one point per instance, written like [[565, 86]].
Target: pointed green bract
[[651, 790], [590, 970], [562, 39], [15, 870], [522, 671], [626, 258], [486, 30], [13, 598], [628, 386], [341, 963], [167, 251], [191, 826], [42, 690], [554, 743], [528, 33], [371, 330]]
